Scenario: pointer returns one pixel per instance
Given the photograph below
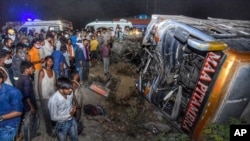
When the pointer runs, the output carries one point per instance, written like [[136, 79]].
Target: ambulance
[[50, 25]]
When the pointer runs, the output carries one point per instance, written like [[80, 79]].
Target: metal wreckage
[[196, 71]]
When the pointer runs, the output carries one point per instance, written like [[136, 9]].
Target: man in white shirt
[[62, 111], [48, 47]]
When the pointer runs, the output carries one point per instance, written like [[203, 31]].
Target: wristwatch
[[1, 118]]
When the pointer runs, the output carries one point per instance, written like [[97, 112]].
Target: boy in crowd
[[24, 84], [105, 57], [62, 111], [46, 88]]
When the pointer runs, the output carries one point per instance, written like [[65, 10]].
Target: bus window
[[54, 28]]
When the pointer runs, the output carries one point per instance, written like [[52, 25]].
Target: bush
[[220, 132]]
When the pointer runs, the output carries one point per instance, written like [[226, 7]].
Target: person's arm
[[54, 80], [65, 63], [62, 68], [39, 61], [81, 64], [32, 109], [15, 66], [11, 115], [26, 95], [62, 65], [40, 78], [17, 105], [75, 100], [3, 71], [27, 57]]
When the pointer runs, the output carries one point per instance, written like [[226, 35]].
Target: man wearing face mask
[[48, 47], [25, 41], [34, 57], [3, 55], [17, 59], [8, 42], [12, 35]]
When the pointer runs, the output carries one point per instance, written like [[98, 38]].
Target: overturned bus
[[196, 71]]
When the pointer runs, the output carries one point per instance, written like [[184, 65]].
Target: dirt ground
[[128, 116]]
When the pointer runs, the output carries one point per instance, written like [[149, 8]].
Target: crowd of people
[[47, 67]]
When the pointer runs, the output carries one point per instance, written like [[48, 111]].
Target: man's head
[[49, 61], [11, 31], [93, 37], [64, 85], [25, 41], [49, 37], [8, 42], [21, 50], [11, 34], [26, 67], [3, 55], [63, 48], [85, 42], [36, 42]]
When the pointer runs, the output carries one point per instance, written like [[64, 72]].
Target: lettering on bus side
[[207, 72]]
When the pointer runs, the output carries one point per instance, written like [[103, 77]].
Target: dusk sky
[[81, 12]]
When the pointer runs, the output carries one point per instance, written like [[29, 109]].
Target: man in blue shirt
[[24, 84], [59, 60], [10, 110], [80, 62]]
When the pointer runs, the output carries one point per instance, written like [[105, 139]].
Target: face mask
[[65, 54], [37, 46], [22, 54], [27, 44], [9, 61], [12, 37]]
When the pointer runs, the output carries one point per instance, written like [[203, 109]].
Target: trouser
[[80, 72], [30, 125], [35, 84], [106, 65], [46, 115], [8, 133], [83, 73], [67, 128], [58, 74]]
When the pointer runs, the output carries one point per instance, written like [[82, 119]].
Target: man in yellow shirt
[[34, 57], [93, 49]]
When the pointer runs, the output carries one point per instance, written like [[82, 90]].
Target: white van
[[52, 25], [108, 24]]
